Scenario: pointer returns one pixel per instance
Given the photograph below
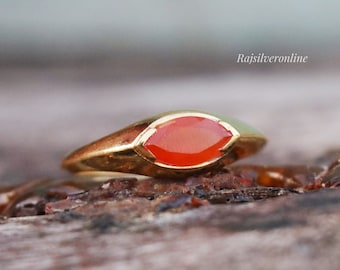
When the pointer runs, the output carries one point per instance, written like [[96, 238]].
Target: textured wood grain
[[300, 231]]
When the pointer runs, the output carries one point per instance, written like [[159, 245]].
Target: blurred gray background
[[73, 71]]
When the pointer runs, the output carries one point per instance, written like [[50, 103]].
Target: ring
[[174, 144]]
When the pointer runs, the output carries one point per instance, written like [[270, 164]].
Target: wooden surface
[[296, 232], [47, 113]]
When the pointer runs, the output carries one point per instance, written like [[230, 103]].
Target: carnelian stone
[[188, 141]]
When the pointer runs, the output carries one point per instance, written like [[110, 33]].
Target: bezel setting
[[144, 136]]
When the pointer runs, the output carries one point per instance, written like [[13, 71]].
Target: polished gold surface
[[123, 150]]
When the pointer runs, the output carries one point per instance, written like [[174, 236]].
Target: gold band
[[124, 151]]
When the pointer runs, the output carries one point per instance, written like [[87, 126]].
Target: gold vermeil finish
[[123, 150]]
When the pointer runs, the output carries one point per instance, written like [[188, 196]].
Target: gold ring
[[174, 144]]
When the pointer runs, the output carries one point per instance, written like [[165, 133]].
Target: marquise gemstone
[[188, 141]]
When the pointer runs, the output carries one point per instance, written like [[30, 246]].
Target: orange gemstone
[[188, 141]]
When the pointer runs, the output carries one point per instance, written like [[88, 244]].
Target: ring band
[[174, 144]]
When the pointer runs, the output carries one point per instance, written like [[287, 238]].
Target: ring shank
[[116, 152]]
